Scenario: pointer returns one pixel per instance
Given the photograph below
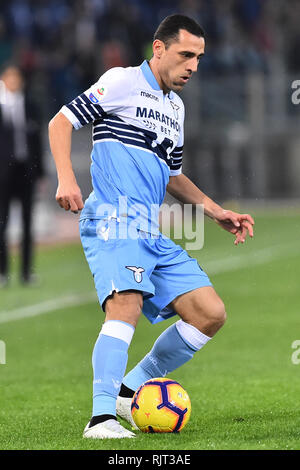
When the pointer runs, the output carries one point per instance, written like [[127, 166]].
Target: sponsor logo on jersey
[[101, 91], [146, 94], [161, 117], [93, 98]]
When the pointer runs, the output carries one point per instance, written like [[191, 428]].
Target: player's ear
[[158, 48]]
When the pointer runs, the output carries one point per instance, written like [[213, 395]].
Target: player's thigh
[[200, 306], [124, 306], [115, 263]]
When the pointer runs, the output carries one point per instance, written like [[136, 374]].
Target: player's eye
[[187, 54]]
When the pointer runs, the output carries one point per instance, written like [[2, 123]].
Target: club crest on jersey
[[137, 272], [175, 109]]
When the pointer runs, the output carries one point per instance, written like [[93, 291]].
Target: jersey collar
[[149, 76]]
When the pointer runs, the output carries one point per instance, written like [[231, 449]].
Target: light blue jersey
[[137, 144]]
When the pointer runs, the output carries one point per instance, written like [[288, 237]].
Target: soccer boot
[[124, 410], [110, 429]]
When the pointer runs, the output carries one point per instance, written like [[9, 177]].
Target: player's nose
[[193, 65]]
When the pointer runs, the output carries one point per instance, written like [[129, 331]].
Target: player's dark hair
[[168, 30]]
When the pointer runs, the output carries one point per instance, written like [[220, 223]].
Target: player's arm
[[68, 193], [183, 189], [103, 97]]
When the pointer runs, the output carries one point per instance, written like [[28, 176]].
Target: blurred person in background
[[20, 165]]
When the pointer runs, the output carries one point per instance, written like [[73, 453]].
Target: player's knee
[[218, 315], [124, 306], [211, 318]]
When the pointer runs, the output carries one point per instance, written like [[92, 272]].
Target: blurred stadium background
[[242, 129]]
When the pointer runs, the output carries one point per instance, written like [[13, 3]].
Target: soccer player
[[138, 121]]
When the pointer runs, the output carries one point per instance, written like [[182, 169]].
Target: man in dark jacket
[[20, 164]]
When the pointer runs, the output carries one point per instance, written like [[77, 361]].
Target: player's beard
[[173, 84], [178, 83], [176, 87]]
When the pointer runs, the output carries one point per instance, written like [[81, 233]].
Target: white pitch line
[[255, 258], [212, 267], [47, 306]]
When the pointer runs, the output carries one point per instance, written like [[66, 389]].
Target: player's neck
[[156, 74]]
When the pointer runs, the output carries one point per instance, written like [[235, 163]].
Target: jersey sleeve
[[108, 95], [176, 154]]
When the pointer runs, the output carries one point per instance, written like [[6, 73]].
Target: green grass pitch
[[243, 385]]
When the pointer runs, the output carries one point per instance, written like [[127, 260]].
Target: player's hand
[[68, 196], [239, 225]]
